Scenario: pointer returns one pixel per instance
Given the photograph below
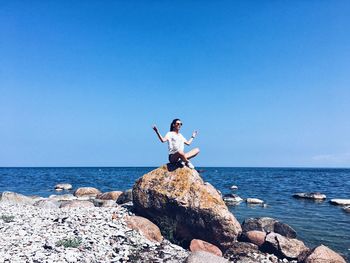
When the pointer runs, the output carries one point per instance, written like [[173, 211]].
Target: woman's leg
[[192, 153], [173, 158]]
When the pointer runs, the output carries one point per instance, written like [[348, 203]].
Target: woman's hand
[[194, 134]]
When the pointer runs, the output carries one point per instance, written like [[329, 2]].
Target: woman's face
[[178, 125]]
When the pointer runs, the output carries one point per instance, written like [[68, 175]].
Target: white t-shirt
[[176, 142]]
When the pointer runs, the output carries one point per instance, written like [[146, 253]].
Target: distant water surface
[[315, 222]]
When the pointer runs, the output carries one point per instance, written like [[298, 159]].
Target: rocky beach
[[171, 215]]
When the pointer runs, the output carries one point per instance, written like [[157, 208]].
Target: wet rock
[[125, 197], [205, 257], [200, 245], [76, 203], [234, 187], [323, 254], [114, 195], [15, 198], [184, 207], [232, 199], [145, 227], [340, 201], [254, 201], [59, 187], [86, 192], [284, 247], [255, 237], [267, 225], [314, 196]]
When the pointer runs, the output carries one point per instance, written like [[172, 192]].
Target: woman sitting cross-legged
[[176, 142]]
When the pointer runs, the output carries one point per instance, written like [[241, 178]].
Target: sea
[[315, 222]]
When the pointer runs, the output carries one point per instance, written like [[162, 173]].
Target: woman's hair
[[173, 124]]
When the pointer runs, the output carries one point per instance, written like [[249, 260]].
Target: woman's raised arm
[[194, 134], [161, 138]]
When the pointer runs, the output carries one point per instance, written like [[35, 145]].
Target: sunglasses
[[178, 123]]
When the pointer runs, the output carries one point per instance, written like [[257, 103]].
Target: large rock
[[267, 225], [255, 237], [66, 197], [125, 197], [145, 227], [15, 198], [86, 192], [47, 204], [200, 245], [323, 254], [254, 201], [284, 247], [114, 195], [184, 207]]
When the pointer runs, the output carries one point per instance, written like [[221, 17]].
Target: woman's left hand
[[194, 134]]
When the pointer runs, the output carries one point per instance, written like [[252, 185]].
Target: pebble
[[34, 234]]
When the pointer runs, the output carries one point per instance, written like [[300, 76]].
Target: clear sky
[[266, 83]]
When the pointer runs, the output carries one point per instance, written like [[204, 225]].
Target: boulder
[[60, 187], [313, 196], [114, 195], [76, 203], [255, 237], [200, 245], [184, 207], [205, 257], [340, 201], [15, 198], [232, 199], [145, 227], [234, 187], [267, 225], [255, 201], [323, 254], [284, 247], [86, 192], [125, 197]]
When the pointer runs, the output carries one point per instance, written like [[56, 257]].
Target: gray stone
[[343, 202], [205, 257]]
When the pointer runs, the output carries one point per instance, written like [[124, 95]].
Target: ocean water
[[315, 222]]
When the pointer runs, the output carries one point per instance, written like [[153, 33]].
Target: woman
[[176, 144]]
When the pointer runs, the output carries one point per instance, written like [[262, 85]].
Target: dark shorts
[[170, 155]]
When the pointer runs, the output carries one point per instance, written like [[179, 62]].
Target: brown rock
[[76, 203], [255, 237], [114, 195], [86, 192], [125, 197], [323, 254], [145, 227], [200, 245], [184, 207], [284, 247]]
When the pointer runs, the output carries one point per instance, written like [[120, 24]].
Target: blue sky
[[266, 83]]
